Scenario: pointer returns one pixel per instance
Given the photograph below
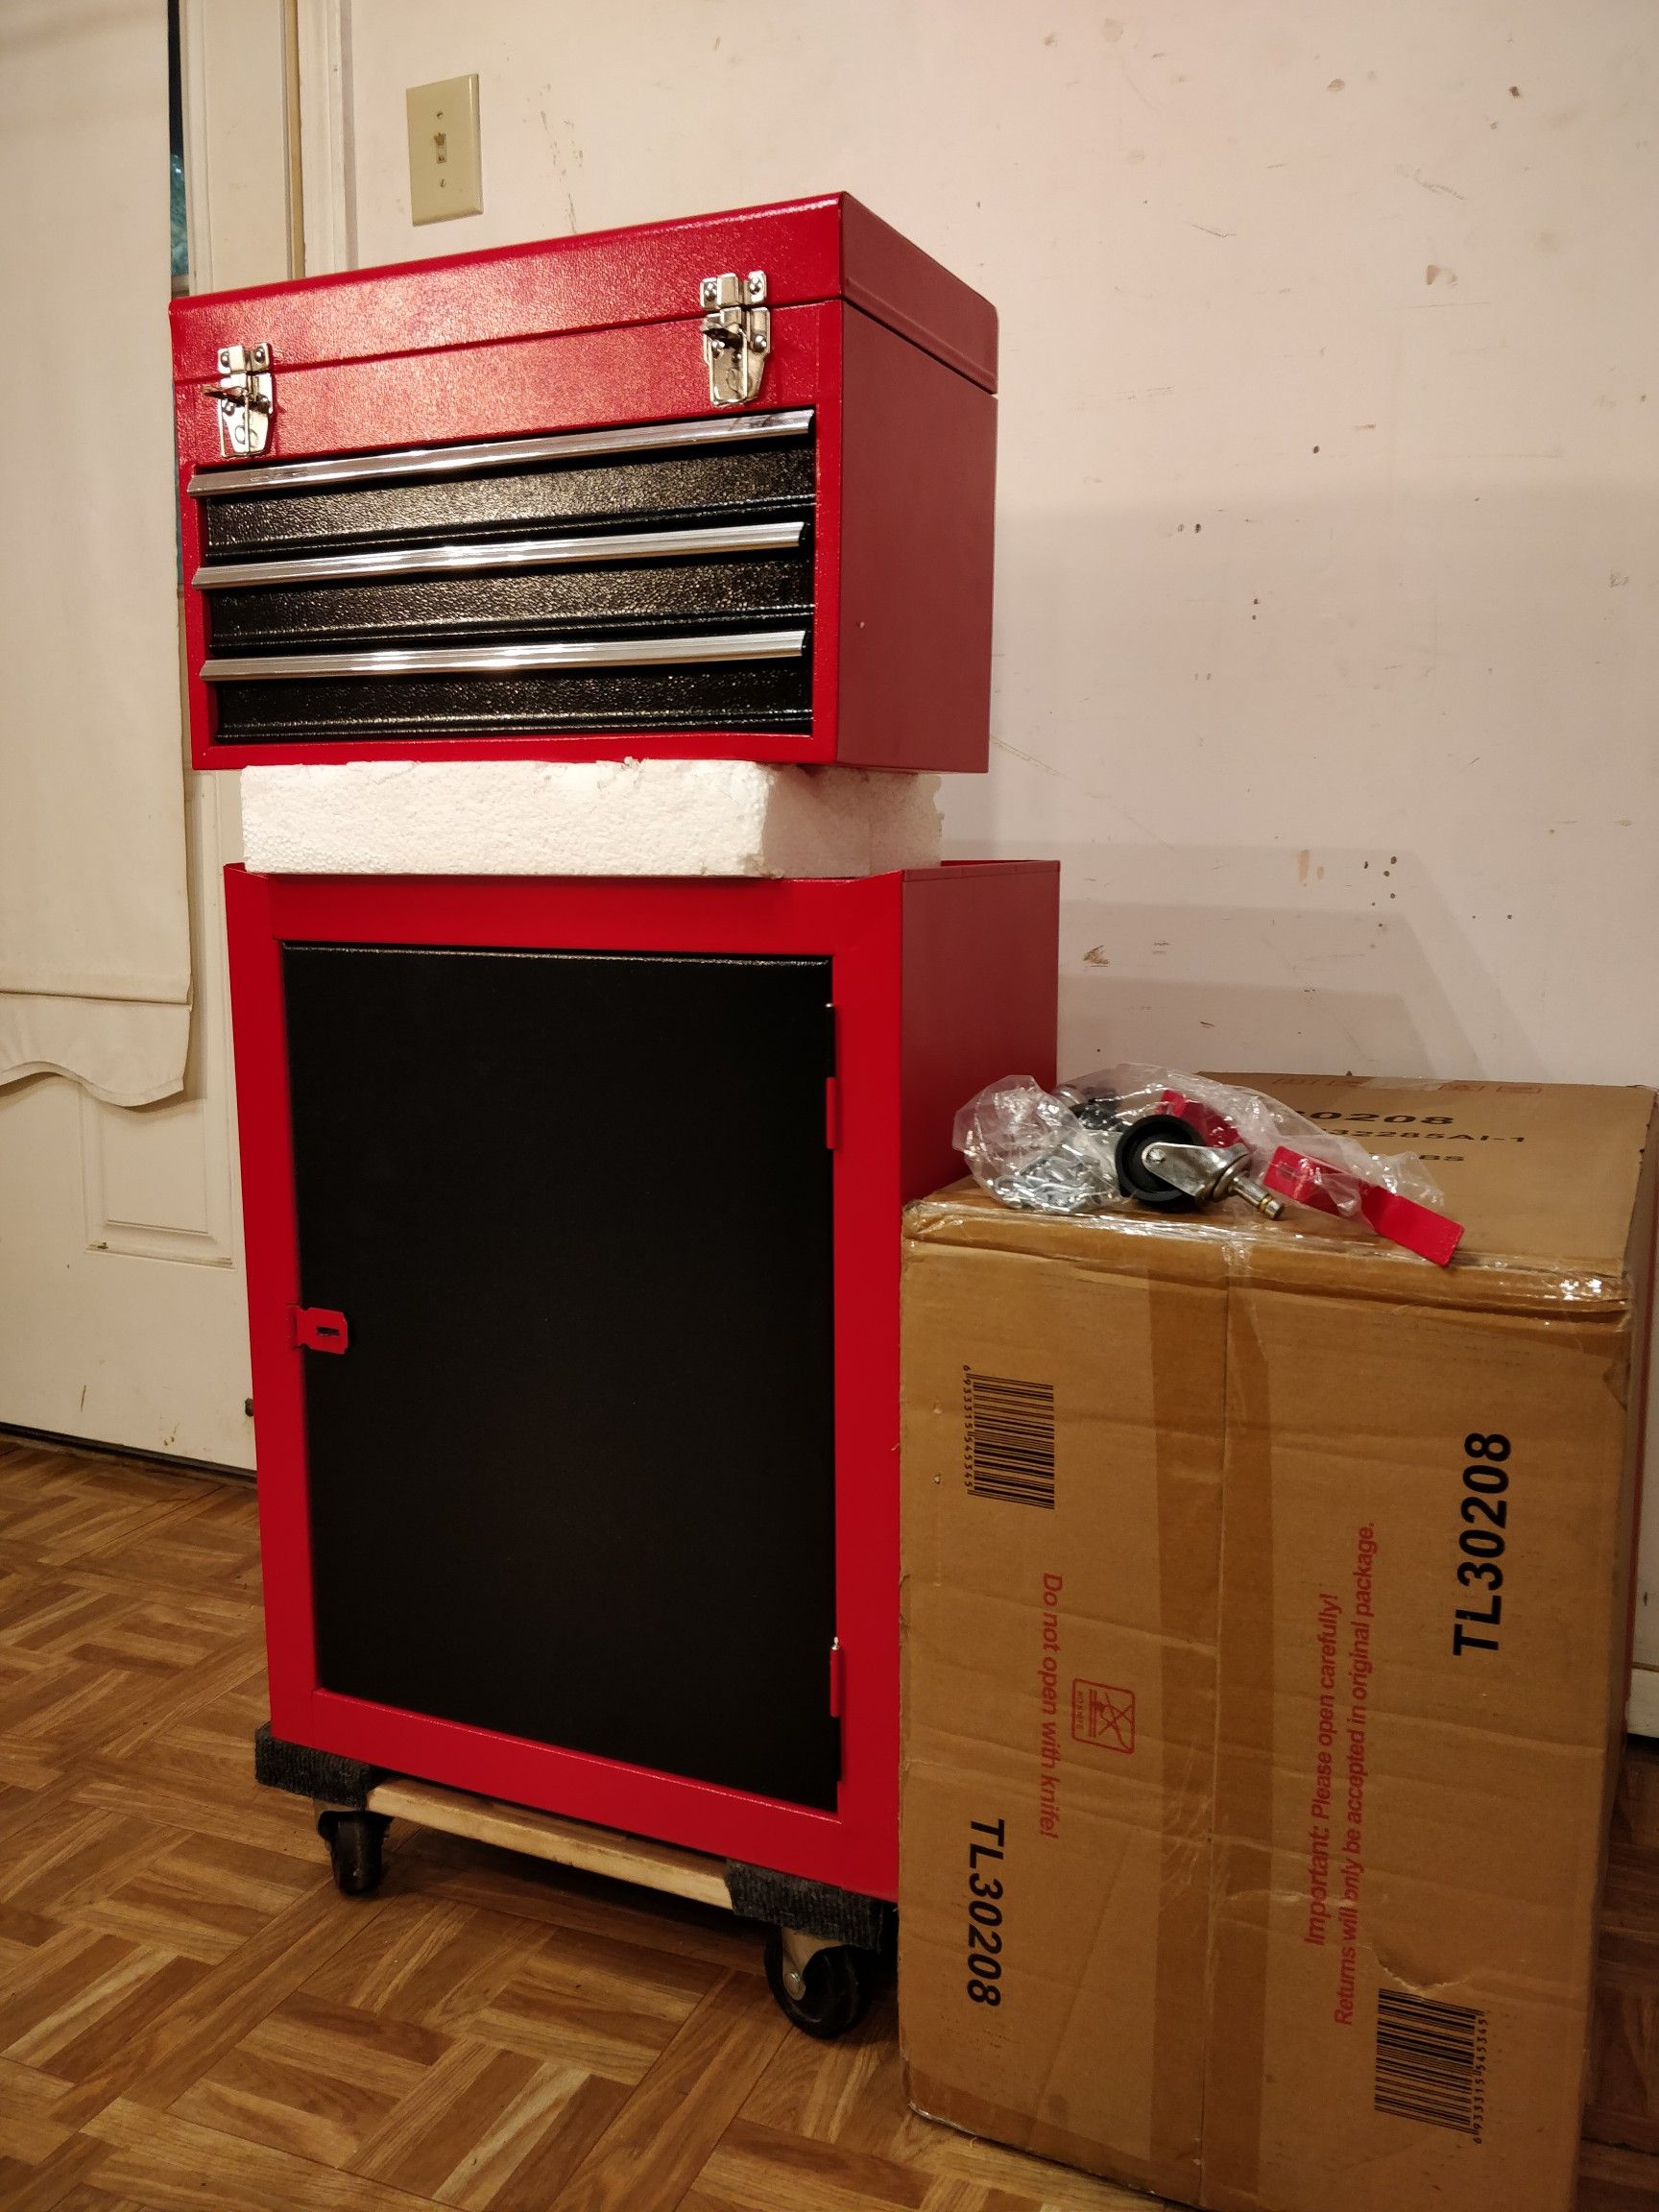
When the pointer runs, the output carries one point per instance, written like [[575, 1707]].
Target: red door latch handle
[[319, 1328]]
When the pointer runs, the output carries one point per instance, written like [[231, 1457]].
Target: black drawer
[[731, 695], [577, 493], [621, 599]]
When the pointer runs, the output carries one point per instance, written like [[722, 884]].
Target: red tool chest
[[572, 1245], [718, 488]]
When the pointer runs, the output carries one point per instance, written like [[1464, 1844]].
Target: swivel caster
[[1100, 1113], [1162, 1160], [354, 1849], [822, 1989], [1143, 1182]]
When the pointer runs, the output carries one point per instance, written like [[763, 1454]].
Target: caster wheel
[[1139, 1182], [834, 1988], [1100, 1115], [354, 1853]]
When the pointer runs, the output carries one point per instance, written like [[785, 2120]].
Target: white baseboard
[[1642, 1714]]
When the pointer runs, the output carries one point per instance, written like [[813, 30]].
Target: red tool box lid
[[810, 250]]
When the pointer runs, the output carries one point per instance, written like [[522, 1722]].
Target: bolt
[[1254, 1194]]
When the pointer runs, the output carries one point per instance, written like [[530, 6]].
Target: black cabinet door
[[574, 1478]]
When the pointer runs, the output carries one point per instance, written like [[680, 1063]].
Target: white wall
[[1329, 554], [1326, 642]]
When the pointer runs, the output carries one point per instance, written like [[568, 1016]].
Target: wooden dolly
[[821, 1974]]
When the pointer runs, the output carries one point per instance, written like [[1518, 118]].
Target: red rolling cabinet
[[718, 488], [572, 1246]]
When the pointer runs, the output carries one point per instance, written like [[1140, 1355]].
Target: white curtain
[[94, 919]]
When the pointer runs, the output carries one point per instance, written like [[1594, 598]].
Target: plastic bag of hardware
[[1230, 1113], [1174, 1141], [1029, 1147]]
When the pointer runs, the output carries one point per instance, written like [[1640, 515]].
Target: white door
[[122, 1312]]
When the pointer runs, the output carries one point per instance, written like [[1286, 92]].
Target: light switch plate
[[445, 176]]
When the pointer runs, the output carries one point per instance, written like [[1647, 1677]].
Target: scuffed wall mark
[[1096, 957], [1111, 30], [1123, 68], [1303, 859], [1514, 91], [1616, 579], [1031, 759], [1429, 184], [559, 168], [1434, 274], [1205, 227], [1298, 976], [1147, 830], [1337, 84]]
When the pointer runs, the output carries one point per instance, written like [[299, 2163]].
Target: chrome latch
[[246, 399], [736, 336]]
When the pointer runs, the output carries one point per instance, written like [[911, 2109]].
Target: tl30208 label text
[[985, 1914], [1484, 1540]]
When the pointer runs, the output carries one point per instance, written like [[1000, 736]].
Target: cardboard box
[[1266, 1627]]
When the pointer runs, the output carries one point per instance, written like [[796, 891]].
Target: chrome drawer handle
[[498, 453], [513, 660], [471, 560]]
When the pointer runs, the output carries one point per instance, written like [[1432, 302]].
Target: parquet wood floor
[[192, 2020]]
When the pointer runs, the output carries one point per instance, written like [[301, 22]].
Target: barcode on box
[[1430, 2061], [1008, 1438]]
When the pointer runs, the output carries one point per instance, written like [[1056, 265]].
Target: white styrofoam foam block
[[585, 818]]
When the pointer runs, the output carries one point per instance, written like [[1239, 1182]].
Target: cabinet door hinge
[[831, 1088], [837, 1680], [319, 1328]]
